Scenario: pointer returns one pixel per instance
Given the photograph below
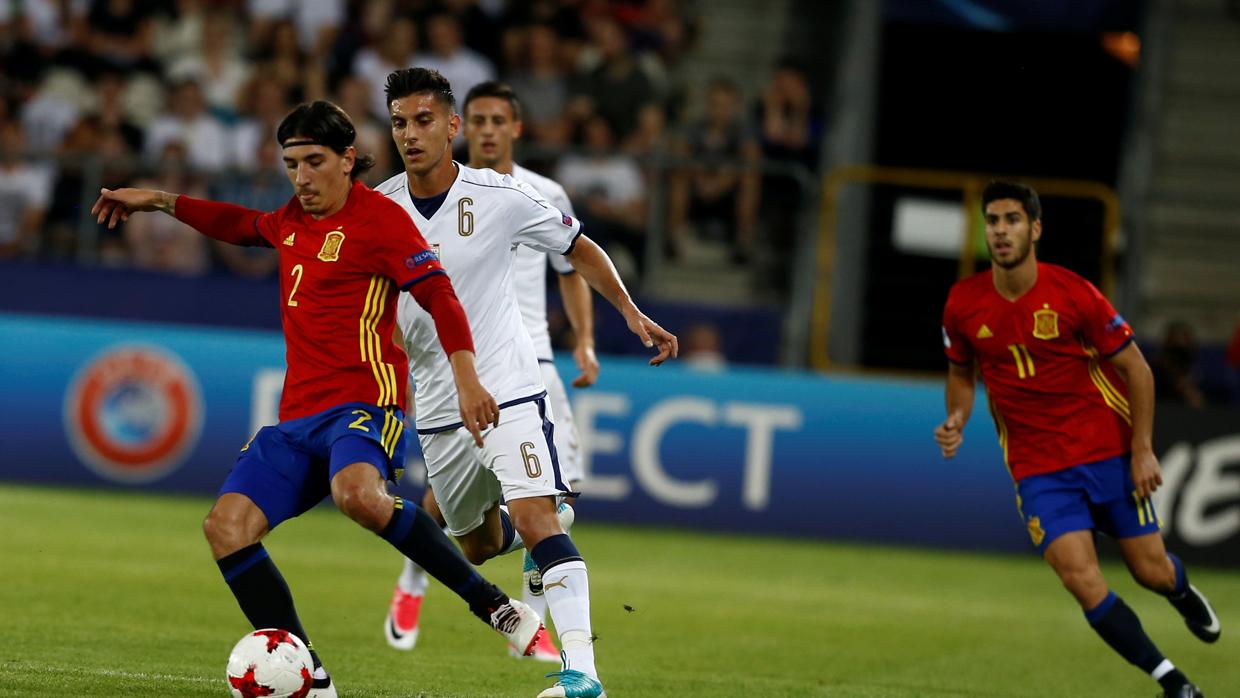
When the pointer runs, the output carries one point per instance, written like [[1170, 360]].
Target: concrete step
[[1218, 222]]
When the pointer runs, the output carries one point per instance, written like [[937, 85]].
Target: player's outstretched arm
[[578, 305], [961, 385], [115, 206], [595, 266], [1131, 365], [235, 225]]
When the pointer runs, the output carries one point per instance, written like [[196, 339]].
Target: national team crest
[[331, 246], [1046, 323], [1035, 530], [133, 412]]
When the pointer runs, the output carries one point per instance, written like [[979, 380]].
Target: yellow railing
[[970, 184]]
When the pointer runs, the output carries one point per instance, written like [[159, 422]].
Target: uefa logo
[[132, 413]]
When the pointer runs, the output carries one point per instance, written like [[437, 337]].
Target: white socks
[[413, 579], [566, 587], [1166, 667]]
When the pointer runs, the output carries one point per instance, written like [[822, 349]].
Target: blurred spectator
[[702, 348], [658, 25], [718, 194], [25, 192], [110, 112], [180, 32], [122, 31], [608, 192], [52, 110], [217, 65], [1176, 375], [266, 188], [162, 243], [282, 61], [203, 136], [542, 85], [98, 153], [264, 105], [791, 127], [394, 51], [649, 137], [316, 22], [616, 89], [463, 67], [374, 137]]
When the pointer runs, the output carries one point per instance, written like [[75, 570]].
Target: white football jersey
[[531, 266], [476, 231]]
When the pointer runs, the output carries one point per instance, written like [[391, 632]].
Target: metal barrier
[[970, 184]]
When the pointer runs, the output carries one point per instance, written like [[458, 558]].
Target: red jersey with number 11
[[1055, 399]]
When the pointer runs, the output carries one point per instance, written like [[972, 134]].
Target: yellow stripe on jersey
[[1001, 427], [370, 343], [1110, 394]]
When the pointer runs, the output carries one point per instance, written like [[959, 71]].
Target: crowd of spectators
[[186, 95]]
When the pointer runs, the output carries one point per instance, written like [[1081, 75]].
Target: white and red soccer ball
[[270, 663]]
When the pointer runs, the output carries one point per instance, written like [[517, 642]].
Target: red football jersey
[[1055, 400], [339, 277]]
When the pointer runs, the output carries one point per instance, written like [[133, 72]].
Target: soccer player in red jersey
[[1077, 441], [345, 253]]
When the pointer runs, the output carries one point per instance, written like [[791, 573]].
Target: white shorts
[[566, 444], [515, 462]]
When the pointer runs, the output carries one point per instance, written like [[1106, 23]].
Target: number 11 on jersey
[[1024, 362]]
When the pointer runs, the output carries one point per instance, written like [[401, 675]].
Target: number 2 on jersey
[[297, 271], [1024, 362]]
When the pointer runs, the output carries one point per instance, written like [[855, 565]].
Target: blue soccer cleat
[[573, 684]]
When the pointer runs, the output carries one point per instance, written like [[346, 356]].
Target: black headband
[[301, 140]]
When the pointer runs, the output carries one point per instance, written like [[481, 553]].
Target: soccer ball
[[270, 662]]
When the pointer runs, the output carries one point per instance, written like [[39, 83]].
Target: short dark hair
[[411, 81], [494, 88], [322, 123], [1001, 189]]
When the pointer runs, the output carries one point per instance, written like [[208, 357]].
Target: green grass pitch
[[107, 594]]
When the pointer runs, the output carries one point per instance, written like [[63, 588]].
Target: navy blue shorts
[[1096, 496], [287, 469]]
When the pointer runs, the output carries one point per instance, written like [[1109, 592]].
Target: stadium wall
[[165, 408]]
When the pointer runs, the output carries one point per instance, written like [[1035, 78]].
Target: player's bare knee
[[478, 550], [1158, 575], [226, 531], [1082, 582], [364, 507]]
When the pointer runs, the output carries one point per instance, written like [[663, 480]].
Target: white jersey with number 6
[[476, 231], [531, 266]]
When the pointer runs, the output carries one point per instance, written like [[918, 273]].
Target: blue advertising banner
[[166, 408]]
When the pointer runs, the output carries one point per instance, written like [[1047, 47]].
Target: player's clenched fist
[[950, 434]]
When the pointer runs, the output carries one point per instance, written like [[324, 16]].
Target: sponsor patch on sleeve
[[566, 219], [1116, 323], [947, 341], [413, 261]]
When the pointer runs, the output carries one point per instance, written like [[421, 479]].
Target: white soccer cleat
[[519, 624], [544, 650], [322, 688], [400, 628]]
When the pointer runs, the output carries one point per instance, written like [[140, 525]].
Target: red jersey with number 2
[[1056, 401], [339, 278]]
